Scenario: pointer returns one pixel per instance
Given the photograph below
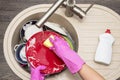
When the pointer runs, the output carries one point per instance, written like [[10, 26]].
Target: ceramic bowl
[[20, 54], [24, 27]]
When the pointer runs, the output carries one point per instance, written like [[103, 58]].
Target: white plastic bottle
[[104, 49]]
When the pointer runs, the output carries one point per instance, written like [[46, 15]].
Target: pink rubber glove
[[70, 57], [35, 73]]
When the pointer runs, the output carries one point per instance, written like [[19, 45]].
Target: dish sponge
[[47, 42]]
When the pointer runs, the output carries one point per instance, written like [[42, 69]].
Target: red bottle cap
[[108, 31]]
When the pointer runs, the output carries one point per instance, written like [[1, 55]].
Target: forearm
[[87, 73], [72, 60]]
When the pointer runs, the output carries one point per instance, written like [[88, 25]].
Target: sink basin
[[84, 32], [12, 35]]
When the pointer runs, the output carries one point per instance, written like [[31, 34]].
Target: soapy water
[[57, 28]]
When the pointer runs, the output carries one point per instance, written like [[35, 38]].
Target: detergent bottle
[[104, 49]]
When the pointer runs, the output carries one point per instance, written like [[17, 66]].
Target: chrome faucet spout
[[70, 9], [51, 10]]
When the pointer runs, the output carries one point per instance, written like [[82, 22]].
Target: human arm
[[35, 73], [73, 61], [87, 73]]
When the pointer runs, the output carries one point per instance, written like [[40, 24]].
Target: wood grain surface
[[10, 8]]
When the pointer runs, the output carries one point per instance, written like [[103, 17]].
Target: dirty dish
[[24, 34], [20, 54], [58, 29], [69, 42], [55, 27], [37, 54], [24, 27]]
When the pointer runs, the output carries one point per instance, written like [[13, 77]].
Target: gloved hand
[[35, 73], [70, 57]]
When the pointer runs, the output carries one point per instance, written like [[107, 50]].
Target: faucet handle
[[89, 8], [77, 10]]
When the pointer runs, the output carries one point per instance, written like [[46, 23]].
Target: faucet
[[70, 9], [51, 10], [69, 4]]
